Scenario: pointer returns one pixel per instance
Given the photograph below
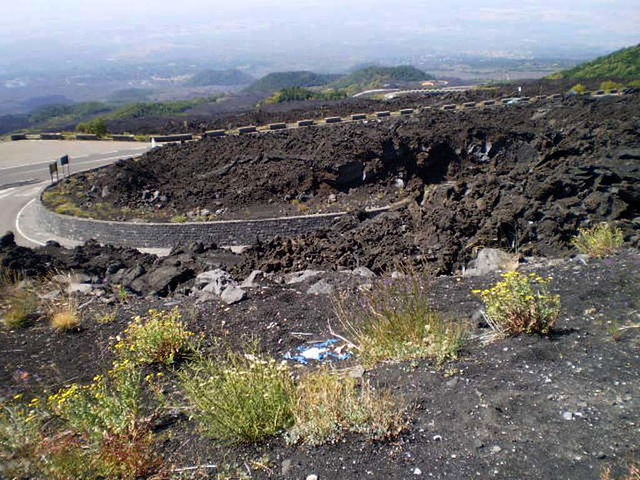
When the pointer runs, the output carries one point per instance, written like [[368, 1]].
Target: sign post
[[53, 168], [65, 161]]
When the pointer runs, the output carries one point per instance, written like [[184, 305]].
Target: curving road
[[24, 171]]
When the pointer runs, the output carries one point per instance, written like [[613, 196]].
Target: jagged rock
[[232, 294], [491, 260], [213, 281], [299, 277], [363, 272], [79, 288], [253, 280], [162, 280], [7, 240], [320, 288]]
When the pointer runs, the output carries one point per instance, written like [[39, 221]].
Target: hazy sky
[[234, 29]]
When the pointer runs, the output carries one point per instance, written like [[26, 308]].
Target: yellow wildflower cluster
[[108, 404], [520, 304], [156, 338]]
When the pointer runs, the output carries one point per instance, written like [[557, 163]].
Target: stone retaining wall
[[167, 235]]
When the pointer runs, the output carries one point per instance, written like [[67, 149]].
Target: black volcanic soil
[[521, 178], [528, 407]]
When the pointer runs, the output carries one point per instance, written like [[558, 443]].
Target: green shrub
[[395, 321], [108, 405], [18, 441], [179, 218], [328, 405], [240, 398], [157, 338], [520, 304], [578, 88], [610, 85], [97, 126], [598, 241]]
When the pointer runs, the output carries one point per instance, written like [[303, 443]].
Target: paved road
[[24, 170]]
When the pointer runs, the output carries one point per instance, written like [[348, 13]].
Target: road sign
[[64, 160], [53, 168]]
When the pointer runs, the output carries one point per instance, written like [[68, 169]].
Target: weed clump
[[240, 398], [66, 318], [328, 404], [157, 338], [20, 305], [598, 241], [520, 304], [395, 321]]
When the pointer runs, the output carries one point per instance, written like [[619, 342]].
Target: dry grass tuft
[[67, 318], [329, 404], [395, 321]]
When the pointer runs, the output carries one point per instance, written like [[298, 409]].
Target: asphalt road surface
[[24, 170]]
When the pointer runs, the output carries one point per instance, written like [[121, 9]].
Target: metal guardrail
[[327, 121]]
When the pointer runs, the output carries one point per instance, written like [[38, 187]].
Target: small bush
[[66, 318], [18, 441], [610, 85], [633, 468], [395, 321], [328, 405], [97, 126], [21, 306], [520, 304], [578, 88], [158, 338], [241, 398], [108, 405], [598, 241], [179, 219]]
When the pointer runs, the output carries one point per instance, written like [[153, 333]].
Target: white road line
[[19, 230], [72, 158], [7, 192], [31, 192]]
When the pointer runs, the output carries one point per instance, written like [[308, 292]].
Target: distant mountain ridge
[[230, 77], [621, 64]]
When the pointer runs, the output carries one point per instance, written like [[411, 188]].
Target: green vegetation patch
[[302, 94], [394, 321], [623, 64], [520, 304], [282, 80], [598, 241], [376, 77]]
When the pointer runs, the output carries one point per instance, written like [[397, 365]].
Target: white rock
[[491, 260], [232, 294], [397, 275], [299, 277], [312, 477], [253, 279], [320, 288], [417, 471], [79, 288], [495, 449], [214, 281], [364, 272], [567, 415]]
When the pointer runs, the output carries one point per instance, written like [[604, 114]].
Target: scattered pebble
[[417, 471]]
